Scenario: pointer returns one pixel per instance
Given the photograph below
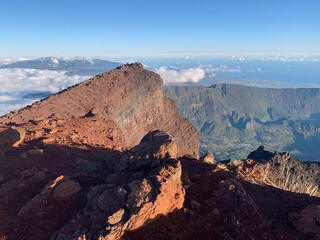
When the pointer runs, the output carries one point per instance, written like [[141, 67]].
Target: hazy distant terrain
[[233, 120], [24, 81], [72, 66]]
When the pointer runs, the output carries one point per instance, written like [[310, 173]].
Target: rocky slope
[[287, 173], [235, 200], [130, 96], [233, 120], [78, 171]]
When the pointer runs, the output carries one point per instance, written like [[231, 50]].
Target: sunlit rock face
[[130, 96]]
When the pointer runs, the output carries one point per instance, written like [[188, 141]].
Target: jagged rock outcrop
[[154, 188], [284, 172], [130, 96], [128, 191]]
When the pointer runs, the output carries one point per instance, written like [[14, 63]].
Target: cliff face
[[232, 120], [69, 171], [287, 173], [130, 96]]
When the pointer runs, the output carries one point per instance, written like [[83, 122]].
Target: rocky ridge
[[77, 171], [130, 96], [284, 172]]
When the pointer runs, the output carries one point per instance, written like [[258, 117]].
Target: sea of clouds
[[17, 82]]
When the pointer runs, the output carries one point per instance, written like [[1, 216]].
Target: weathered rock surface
[[233, 194], [11, 137], [307, 221], [66, 189], [209, 158], [284, 172], [135, 198], [103, 199], [130, 96], [103, 189]]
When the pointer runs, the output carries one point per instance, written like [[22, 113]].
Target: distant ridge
[[232, 120], [72, 66]]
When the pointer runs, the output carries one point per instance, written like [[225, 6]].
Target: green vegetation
[[233, 120]]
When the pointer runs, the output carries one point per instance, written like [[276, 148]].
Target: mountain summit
[[111, 158], [130, 96]]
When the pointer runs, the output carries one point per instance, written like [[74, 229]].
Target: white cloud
[[14, 82], [12, 60], [18, 79], [7, 98], [221, 68], [181, 76]]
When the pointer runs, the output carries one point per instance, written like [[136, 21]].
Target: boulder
[[233, 195], [134, 197], [11, 137], [67, 189], [209, 158]]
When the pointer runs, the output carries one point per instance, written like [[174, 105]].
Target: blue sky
[[159, 28]]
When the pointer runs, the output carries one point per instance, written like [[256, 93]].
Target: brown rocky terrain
[[111, 158], [130, 96]]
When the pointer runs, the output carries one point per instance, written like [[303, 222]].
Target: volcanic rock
[[233, 195], [66, 189], [130, 96], [136, 199], [209, 158], [11, 137], [307, 221], [284, 172], [154, 147]]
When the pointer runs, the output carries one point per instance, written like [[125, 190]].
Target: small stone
[[209, 158], [215, 211], [35, 151], [27, 173], [116, 217], [195, 205], [67, 189], [39, 176], [48, 140]]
